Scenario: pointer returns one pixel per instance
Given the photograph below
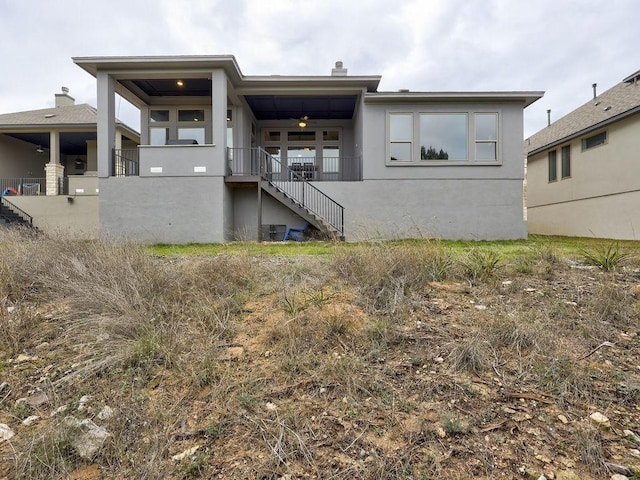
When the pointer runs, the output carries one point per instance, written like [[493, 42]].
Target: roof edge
[[528, 97], [579, 133]]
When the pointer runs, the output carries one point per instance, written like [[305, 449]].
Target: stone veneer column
[[54, 171]]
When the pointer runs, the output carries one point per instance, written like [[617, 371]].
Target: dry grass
[[380, 361]]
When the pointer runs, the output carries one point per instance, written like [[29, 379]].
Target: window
[[173, 123], [486, 136], [191, 115], [553, 167], [159, 116], [439, 138], [443, 136], [158, 135], [566, 161], [594, 141], [400, 136]]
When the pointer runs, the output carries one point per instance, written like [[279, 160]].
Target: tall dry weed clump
[[385, 275], [122, 305]]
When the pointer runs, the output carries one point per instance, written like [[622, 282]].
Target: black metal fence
[[246, 161], [125, 162], [293, 182], [22, 186]]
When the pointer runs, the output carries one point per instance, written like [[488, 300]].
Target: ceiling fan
[[302, 121]]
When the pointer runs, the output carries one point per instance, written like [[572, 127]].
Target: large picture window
[[443, 136]]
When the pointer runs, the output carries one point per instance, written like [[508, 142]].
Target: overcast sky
[[559, 46]]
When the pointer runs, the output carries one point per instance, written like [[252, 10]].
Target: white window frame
[[174, 125], [416, 161]]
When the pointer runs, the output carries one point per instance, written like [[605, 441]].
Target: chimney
[[64, 99], [594, 85], [338, 70]]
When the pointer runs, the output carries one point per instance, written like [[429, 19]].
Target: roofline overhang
[[62, 128], [579, 133], [130, 67], [525, 97]]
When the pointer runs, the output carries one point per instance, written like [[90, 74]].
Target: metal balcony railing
[[290, 181], [22, 186], [125, 162], [246, 161]]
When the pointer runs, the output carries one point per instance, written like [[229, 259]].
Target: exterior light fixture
[[39, 149], [180, 83], [302, 124]]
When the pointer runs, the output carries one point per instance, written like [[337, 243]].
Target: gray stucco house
[[227, 156]]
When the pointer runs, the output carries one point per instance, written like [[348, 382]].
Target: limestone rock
[[30, 420], [617, 476], [599, 419], [23, 357], [185, 454], [106, 413], [5, 432], [86, 437]]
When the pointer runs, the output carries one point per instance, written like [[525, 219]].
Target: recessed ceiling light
[[180, 83]]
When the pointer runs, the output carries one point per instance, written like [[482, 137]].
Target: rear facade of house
[[224, 156]]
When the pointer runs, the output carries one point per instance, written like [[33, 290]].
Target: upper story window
[[553, 166], [434, 138], [594, 140]]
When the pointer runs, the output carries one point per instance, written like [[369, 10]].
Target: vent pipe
[[339, 70], [595, 85], [549, 118]]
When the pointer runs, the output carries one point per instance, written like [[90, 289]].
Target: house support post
[[54, 171], [259, 210], [106, 124]]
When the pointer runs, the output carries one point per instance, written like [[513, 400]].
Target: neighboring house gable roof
[[83, 114], [615, 104]]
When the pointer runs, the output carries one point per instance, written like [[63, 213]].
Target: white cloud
[[428, 45]]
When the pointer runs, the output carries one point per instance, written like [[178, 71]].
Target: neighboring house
[[583, 172], [225, 156], [48, 165]]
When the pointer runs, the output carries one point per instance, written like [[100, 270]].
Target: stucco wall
[[19, 159], [164, 209], [245, 213], [56, 214], [613, 216], [452, 209], [593, 201]]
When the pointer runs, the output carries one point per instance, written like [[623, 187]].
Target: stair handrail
[[13, 207], [296, 186]]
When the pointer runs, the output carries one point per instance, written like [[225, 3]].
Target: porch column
[[106, 123], [54, 171], [219, 111]]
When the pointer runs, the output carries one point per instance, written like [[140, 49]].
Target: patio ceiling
[[71, 143], [169, 87], [317, 107]]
